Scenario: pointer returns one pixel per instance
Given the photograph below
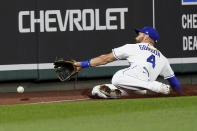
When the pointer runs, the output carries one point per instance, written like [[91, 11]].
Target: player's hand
[[78, 65]]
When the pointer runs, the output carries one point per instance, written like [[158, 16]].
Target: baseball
[[20, 89]]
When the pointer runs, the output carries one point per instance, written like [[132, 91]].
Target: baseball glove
[[64, 69]]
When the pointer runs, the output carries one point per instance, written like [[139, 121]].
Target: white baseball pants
[[135, 80]]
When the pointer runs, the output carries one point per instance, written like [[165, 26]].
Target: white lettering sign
[[189, 43], [72, 20], [189, 21]]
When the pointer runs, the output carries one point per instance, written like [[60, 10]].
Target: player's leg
[[121, 79], [119, 75], [108, 91]]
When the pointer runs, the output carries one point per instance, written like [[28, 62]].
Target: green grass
[[155, 114]]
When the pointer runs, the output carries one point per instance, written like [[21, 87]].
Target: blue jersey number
[[151, 59]]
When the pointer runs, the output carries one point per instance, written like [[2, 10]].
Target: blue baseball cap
[[153, 34]]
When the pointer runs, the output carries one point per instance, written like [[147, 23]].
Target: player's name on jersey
[[144, 47], [189, 43], [72, 20]]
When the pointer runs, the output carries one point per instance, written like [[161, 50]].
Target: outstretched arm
[[175, 84], [100, 60]]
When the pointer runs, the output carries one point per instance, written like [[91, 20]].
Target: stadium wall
[[35, 32]]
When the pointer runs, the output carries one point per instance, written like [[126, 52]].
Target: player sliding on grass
[[146, 64]]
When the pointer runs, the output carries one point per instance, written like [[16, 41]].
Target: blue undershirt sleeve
[[175, 84]]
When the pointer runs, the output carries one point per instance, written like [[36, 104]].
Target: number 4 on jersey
[[151, 59]]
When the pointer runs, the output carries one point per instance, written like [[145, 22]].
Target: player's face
[[140, 37]]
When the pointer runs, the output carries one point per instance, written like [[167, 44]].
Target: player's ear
[[146, 37]]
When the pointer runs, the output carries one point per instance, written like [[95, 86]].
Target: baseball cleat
[[113, 93], [96, 92]]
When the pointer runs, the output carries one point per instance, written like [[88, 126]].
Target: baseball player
[[146, 64]]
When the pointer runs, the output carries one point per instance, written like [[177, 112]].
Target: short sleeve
[[167, 71], [124, 51]]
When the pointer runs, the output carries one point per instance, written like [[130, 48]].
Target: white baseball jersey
[[147, 57]]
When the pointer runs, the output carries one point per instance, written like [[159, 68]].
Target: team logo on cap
[[189, 2]]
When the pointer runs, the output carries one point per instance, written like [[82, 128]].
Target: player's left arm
[[116, 54], [103, 59], [100, 60]]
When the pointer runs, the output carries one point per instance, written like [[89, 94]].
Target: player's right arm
[[168, 74], [175, 84]]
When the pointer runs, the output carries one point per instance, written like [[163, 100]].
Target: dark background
[[43, 47]]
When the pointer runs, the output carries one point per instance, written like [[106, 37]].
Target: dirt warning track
[[74, 95]]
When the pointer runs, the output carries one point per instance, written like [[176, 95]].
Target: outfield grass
[[155, 114]]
